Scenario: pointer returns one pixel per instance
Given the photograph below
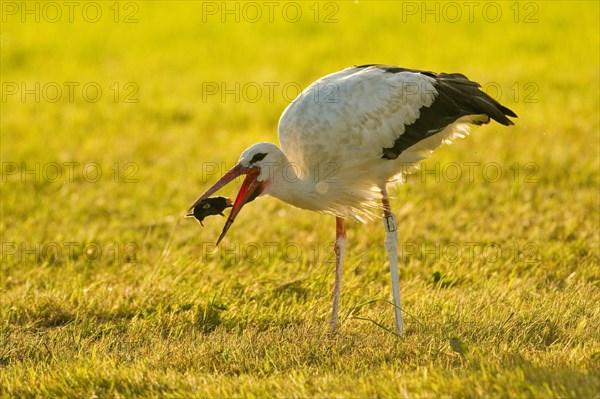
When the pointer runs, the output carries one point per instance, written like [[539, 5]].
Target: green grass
[[500, 277]]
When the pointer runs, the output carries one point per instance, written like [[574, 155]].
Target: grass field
[[116, 116]]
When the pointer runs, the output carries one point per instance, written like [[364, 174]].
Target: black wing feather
[[457, 97]]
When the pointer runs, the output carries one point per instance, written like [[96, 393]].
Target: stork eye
[[258, 157]]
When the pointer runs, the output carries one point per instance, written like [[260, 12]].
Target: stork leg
[[339, 249], [391, 245]]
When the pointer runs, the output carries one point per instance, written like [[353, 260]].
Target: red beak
[[249, 188]]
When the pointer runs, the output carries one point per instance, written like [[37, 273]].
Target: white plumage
[[349, 134], [334, 131]]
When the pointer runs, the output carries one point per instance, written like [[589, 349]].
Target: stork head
[[257, 163]]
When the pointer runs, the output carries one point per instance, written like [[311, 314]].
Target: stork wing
[[376, 111]]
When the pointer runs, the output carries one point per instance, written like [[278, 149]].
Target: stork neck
[[291, 184]]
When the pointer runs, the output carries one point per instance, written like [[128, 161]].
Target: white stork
[[347, 136]]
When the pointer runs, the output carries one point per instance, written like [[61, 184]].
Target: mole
[[208, 207]]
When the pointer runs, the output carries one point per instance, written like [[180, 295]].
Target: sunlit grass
[[107, 290]]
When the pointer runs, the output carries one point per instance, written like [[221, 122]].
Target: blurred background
[[153, 91], [115, 116]]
